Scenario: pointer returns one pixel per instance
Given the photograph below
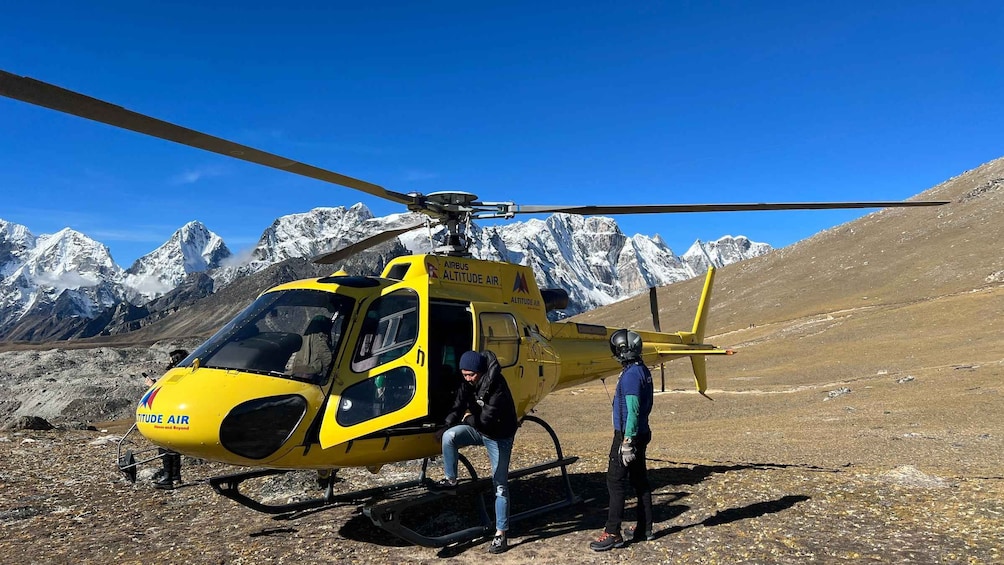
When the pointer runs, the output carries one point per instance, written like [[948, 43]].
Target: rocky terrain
[[894, 467], [807, 475], [74, 387]]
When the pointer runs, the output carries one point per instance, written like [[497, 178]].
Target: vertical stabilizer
[[700, 323], [701, 319]]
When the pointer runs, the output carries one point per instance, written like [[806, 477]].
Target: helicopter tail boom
[[578, 346]]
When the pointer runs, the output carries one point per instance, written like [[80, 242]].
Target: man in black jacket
[[483, 414]]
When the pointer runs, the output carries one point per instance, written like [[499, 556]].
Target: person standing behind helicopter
[[171, 471], [483, 414], [632, 405]]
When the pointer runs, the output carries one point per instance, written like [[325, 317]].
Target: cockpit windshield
[[293, 334]]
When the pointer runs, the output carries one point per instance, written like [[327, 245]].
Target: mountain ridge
[[105, 299]]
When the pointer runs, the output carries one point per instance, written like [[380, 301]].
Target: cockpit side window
[[500, 333], [389, 330], [292, 334]]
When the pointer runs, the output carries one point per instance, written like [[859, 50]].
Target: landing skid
[[229, 486], [385, 505], [386, 514], [126, 458]]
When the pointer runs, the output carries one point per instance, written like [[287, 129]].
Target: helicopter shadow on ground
[[590, 514], [362, 529], [437, 517]]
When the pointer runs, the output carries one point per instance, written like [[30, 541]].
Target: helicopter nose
[[167, 417], [225, 416]]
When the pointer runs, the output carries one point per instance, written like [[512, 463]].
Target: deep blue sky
[[538, 102]]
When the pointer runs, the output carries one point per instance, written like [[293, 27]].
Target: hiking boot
[[637, 534], [606, 541], [164, 483], [446, 485], [499, 544]]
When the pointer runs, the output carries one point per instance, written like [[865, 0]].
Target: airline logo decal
[[519, 285], [147, 400], [172, 421]]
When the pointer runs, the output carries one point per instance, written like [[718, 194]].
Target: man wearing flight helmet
[[632, 404]]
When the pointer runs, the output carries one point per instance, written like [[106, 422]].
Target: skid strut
[[386, 514]]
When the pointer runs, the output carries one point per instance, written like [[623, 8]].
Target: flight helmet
[[626, 346]]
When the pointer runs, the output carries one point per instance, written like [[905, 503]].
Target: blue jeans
[[499, 452]]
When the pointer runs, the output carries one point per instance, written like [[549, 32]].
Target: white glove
[[627, 453]]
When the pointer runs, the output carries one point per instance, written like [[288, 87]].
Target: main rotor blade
[[348, 251], [680, 208], [50, 96]]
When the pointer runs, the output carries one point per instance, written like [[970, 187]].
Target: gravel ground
[[890, 470], [61, 500]]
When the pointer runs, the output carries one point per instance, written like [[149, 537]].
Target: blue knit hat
[[474, 362]]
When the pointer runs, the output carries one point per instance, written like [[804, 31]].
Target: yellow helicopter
[[359, 371]]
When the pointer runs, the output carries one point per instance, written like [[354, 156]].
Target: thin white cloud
[[193, 176], [142, 234], [66, 280], [148, 285], [239, 258]]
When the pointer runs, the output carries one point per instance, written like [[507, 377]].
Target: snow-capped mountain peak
[[593, 260], [723, 251], [70, 259], [65, 267], [191, 249], [311, 233], [16, 242]]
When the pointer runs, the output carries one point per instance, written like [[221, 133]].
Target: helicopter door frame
[[498, 328], [369, 397], [451, 335]]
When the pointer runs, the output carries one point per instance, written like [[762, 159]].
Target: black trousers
[[635, 475], [172, 463]]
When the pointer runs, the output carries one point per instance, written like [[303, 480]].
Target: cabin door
[[382, 378]]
